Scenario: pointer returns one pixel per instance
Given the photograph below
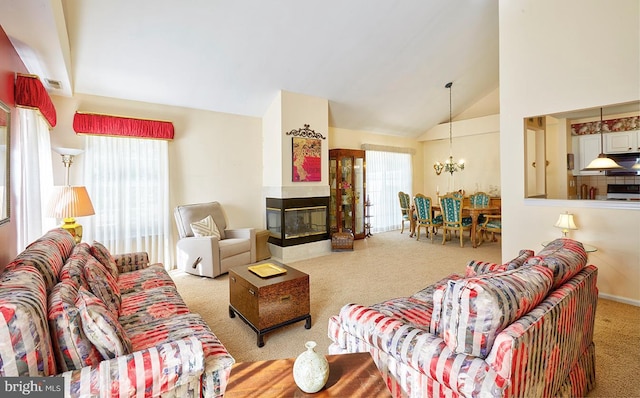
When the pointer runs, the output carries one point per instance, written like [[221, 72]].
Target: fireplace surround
[[295, 221]]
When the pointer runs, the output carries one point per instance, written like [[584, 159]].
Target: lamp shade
[[602, 162], [565, 221], [69, 202]]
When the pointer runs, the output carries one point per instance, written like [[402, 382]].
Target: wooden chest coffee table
[[268, 303], [350, 375]]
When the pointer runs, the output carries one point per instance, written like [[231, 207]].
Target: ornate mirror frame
[[5, 151]]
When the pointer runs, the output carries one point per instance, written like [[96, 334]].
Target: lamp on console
[[67, 202], [565, 221]]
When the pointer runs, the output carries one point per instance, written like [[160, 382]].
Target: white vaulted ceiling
[[382, 64]]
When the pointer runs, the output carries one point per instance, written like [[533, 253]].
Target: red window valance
[[97, 124], [30, 93]]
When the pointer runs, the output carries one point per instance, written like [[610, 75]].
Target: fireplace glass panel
[[296, 221]]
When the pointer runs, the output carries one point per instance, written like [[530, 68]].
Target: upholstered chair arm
[[200, 253], [131, 261], [244, 233], [154, 371], [425, 352]]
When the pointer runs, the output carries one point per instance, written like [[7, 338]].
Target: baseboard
[[620, 299]]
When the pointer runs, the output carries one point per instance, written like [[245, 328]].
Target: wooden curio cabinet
[[347, 181]]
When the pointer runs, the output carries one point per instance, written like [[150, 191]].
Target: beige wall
[[552, 60]]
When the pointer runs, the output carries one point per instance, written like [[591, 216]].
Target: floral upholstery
[[452, 220], [72, 346], [479, 199], [535, 341], [101, 326], [565, 257], [103, 284], [425, 217], [405, 208], [48, 318]]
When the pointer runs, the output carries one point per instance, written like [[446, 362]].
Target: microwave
[[626, 160]]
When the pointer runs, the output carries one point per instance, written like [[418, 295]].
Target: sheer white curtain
[[128, 181], [35, 177], [387, 174]]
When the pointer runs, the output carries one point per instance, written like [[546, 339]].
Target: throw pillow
[[475, 267], [475, 310], [565, 257], [71, 345], [205, 227], [101, 326], [102, 254], [102, 283], [517, 262]]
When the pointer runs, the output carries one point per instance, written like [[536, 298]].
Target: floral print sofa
[[522, 329], [110, 325]]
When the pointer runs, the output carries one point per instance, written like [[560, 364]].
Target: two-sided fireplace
[[294, 221]]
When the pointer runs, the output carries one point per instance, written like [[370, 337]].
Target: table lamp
[[67, 202], [565, 221]]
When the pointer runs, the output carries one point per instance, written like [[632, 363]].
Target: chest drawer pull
[[285, 298], [253, 293], [233, 278]]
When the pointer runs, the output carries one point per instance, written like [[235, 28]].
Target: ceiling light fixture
[[449, 165], [602, 162]]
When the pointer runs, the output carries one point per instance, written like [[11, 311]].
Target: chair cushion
[[205, 227], [231, 247], [565, 257], [102, 283], [102, 254], [101, 326], [73, 348], [475, 310]]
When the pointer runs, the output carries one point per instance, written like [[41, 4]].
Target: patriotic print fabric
[[160, 347], [542, 344]]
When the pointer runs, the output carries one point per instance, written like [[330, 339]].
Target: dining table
[[474, 212]]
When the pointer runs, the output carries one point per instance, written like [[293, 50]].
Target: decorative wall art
[[306, 155]]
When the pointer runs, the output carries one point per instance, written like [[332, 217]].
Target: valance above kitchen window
[[30, 93], [119, 126]]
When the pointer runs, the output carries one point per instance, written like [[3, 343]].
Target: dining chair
[[425, 217], [452, 220], [479, 199], [405, 208], [493, 224]]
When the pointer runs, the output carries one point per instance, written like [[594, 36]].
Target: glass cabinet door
[[333, 186], [347, 186], [358, 185], [347, 193]]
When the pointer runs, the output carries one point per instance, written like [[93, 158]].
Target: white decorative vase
[[310, 369]]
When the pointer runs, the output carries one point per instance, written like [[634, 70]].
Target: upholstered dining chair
[[492, 223], [405, 208], [479, 199], [425, 217], [452, 220], [207, 247]]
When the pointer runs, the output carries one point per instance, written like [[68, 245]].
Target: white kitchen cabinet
[[626, 141], [587, 148]]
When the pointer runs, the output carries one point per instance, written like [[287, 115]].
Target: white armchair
[[211, 255]]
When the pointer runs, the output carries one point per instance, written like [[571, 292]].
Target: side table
[[262, 246]]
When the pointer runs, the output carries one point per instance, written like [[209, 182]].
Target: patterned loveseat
[[522, 329], [110, 325]]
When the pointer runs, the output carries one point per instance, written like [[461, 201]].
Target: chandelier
[[449, 165]]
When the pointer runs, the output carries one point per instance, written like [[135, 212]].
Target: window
[[128, 181], [387, 174]]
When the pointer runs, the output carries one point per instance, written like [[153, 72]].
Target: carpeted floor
[[390, 265]]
